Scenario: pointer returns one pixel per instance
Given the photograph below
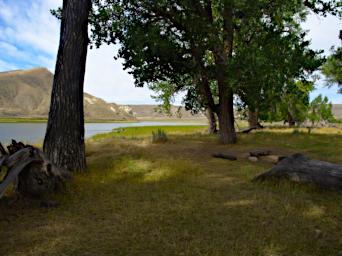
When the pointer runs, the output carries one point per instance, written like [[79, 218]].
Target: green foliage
[[159, 136], [57, 13], [292, 105], [320, 110], [332, 68], [295, 106]]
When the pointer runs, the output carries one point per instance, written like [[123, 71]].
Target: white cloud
[[105, 78], [6, 12], [5, 66], [323, 32], [30, 25]]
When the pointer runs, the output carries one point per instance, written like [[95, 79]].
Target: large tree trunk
[[226, 99], [226, 119], [64, 139], [253, 118], [212, 121], [291, 121]]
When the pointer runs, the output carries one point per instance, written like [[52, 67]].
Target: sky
[[29, 37]]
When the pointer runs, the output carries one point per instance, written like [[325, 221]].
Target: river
[[34, 132]]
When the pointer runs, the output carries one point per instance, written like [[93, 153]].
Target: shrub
[[159, 136]]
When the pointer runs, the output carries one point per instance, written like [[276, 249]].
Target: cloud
[[105, 78], [28, 25], [323, 32], [5, 66]]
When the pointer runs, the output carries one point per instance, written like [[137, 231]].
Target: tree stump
[[30, 170], [299, 168]]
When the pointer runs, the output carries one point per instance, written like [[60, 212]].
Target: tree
[[64, 138], [332, 68], [165, 40], [295, 103], [320, 110]]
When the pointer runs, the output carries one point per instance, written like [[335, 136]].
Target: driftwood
[[225, 156], [301, 169], [29, 169]]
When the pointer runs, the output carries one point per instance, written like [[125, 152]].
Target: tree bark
[[253, 119], [226, 119], [30, 170], [291, 121], [212, 121], [226, 97], [64, 138]]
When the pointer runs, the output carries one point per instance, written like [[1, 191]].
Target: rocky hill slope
[[152, 112], [337, 110], [26, 93]]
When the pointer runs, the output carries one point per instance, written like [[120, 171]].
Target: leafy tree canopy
[[332, 68]]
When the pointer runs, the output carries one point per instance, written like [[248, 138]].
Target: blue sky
[[29, 37]]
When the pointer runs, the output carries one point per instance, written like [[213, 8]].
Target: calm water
[[34, 132]]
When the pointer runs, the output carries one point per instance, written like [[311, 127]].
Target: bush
[[296, 131], [159, 136]]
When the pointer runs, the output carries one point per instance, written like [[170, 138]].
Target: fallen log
[[249, 129], [225, 156], [258, 153], [30, 170], [299, 168], [2, 150]]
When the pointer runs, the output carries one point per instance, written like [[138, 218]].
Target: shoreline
[[44, 120]]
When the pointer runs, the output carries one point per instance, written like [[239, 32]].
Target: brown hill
[[337, 110], [152, 112], [26, 93]]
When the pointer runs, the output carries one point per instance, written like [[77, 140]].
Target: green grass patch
[[135, 132], [23, 120]]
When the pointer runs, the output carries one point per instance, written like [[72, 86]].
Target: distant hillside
[[26, 93], [337, 110], [151, 112]]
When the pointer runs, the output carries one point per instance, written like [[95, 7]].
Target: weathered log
[[249, 129], [12, 175], [299, 168], [2, 160], [258, 153], [33, 174], [225, 156], [2, 150]]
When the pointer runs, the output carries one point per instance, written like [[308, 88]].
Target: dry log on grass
[[258, 153], [30, 170], [225, 156], [301, 169], [249, 129]]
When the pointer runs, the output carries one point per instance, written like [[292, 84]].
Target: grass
[[22, 120], [143, 132], [139, 198]]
